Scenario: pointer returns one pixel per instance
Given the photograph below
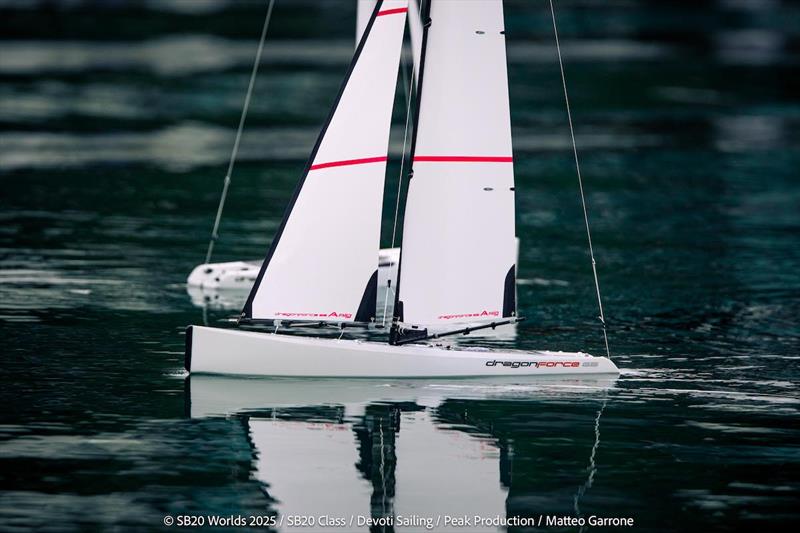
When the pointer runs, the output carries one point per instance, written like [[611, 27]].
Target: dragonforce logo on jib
[[536, 364]]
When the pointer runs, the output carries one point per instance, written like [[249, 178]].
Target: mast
[[458, 249], [425, 19], [322, 263]]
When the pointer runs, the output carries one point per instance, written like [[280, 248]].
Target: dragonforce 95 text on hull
[[457, 267], [221, 351]]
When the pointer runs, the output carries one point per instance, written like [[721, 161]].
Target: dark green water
[[117, 119]]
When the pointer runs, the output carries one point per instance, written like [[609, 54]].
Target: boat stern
[[187, 355]]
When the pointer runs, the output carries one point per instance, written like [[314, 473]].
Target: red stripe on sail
[[392, 11], [347, 162], [462, 159]]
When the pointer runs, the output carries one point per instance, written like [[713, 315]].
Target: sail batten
[[462, 159], [348, 162], [395, 11], [322, 262]]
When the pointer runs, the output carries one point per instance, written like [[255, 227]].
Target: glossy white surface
[[459, 237], [325, 256], [230, 351]]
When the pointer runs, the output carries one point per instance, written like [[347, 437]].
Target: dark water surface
[[116, 121]]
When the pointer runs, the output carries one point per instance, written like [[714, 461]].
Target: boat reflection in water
[[405, 452]]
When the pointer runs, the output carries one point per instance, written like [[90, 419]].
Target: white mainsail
[[415, 33], [458, 251], [322, 264]]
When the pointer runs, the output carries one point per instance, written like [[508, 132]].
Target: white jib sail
[[364, 11], [458, 251], [322, 264]]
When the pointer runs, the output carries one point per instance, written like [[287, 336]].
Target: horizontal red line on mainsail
[[392, 11], [462, 159], [347, 162]]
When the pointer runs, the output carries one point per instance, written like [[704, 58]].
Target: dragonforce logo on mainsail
[[483, 313], [332, 314], [536, 364]]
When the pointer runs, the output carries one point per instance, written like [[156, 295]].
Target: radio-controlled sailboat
[[457, 269]]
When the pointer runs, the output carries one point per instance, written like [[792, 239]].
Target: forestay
[[458, 250], [322, 262]]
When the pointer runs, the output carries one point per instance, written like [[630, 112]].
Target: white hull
[[237, 352], [231, 275]]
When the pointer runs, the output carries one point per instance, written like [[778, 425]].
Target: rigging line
[[402, 166], [580, 181], [592, 467], [235, 150]]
